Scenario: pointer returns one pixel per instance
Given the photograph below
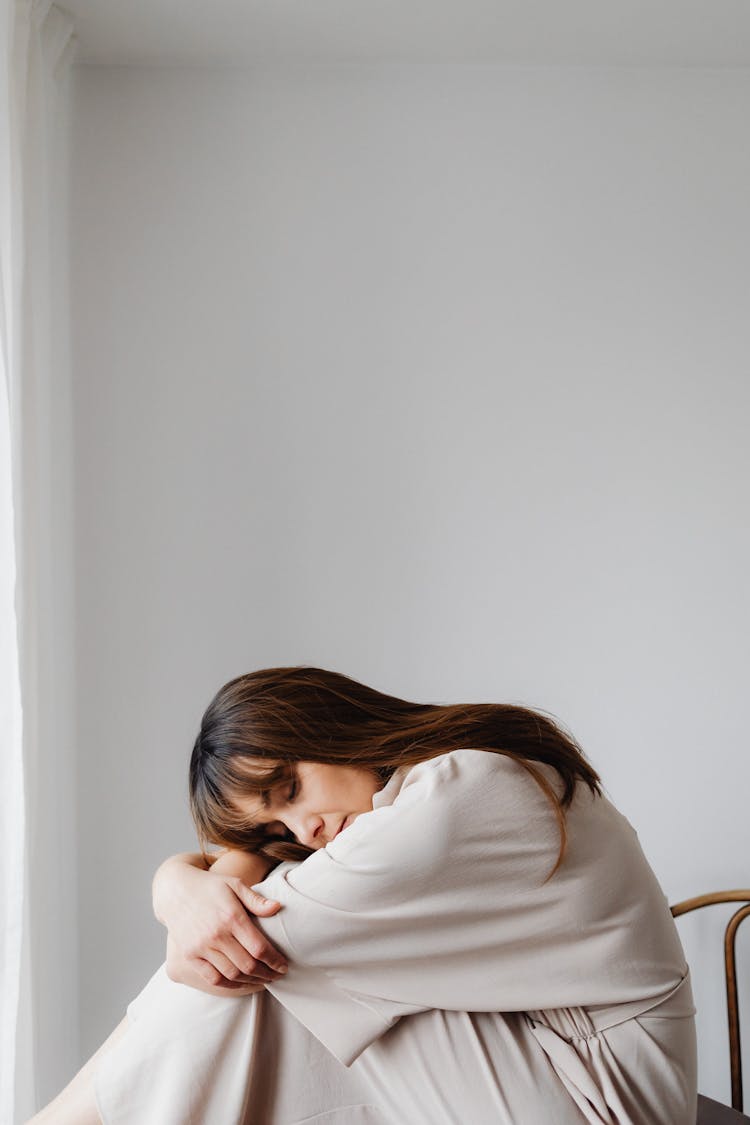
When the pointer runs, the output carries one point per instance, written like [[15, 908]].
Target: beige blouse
[[436, 899]]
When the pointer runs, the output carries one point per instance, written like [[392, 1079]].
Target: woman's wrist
[[176, 872], [169, 875]]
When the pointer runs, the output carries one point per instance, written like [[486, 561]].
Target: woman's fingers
[[216, 969], [213, 971], [209, 922], [229, 960], [244, 964], [202, 973], [253, 901], [231, 988], [250, 937], [234, 935]]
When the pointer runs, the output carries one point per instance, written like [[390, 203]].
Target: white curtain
[[36, 43]]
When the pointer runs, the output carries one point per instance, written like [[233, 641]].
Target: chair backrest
[[730, 969]]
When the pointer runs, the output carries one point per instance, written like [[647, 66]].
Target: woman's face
[[322, 801]]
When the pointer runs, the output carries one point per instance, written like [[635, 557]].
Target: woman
[[471, 930]]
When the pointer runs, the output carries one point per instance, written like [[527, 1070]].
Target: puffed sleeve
[[433, 901]]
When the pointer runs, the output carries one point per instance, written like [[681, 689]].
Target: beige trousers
[[191, 1058]]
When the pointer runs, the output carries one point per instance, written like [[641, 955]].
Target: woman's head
[[268, 731], [285, 754]]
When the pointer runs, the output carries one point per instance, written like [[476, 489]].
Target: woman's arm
[[163, 883], [248, 866], [212, 941]]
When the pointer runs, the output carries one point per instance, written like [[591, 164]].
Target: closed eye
[[276, 828]]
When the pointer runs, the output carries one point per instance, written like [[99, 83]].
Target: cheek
[[367, 788]]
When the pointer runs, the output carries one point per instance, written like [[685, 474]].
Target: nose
[[306, 827]]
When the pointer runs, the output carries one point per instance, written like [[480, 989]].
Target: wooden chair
[[709, 1111]]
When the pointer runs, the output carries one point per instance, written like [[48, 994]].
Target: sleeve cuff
[[344, 1023]]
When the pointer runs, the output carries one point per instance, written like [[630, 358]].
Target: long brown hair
[[258, 725]]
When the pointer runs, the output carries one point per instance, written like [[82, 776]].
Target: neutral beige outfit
[[435, 977]]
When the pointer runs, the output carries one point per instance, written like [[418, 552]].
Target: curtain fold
[[37, 43]]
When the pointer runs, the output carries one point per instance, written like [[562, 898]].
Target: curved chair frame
[[730, 966]]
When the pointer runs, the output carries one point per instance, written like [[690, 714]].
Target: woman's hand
[[211, 939], [182, 970]]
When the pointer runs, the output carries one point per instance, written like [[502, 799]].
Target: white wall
[[434, 375]]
